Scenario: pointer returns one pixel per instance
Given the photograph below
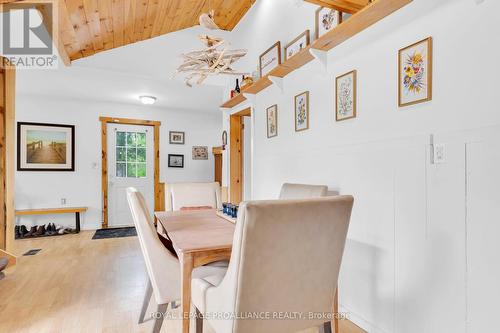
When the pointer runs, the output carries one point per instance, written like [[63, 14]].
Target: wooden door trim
[[236, 155], [104, 160]]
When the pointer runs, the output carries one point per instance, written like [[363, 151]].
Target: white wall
[[83, 187], [421, 254]]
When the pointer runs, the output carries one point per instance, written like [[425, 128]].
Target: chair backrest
[[302, 191], [162, 266], [186, 195], [286, 258]]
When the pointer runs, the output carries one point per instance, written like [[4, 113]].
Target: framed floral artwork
[[415, 73], [200, 153], [326, 20], [302, 111], [345, 96], [270, 59], [296, 45], [272, 121]]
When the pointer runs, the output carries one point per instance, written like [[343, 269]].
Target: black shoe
[[17, 231], [31, 232], [22, 230], [51, 229], [40, 231]]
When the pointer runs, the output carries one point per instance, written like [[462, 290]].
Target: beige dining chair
[[279, 265], [302, 191], [192, 195], [163, 267]]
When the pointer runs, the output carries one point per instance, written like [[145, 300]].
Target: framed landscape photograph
[[270, 59], [296, 45], [175, 161], [415, 73], [345, 96], [45, 147], [200, 153], [272, 121], [326, 20], [302, 111], [176, 138]]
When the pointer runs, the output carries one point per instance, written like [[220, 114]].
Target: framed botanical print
[[176, 138], [345, 96], [45, 147], [200, 153], [296, 45], [302, 111], [175, 161], [415, 73], [272, 121], [326, 20], [270, 59]]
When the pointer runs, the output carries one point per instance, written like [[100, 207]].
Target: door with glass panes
[[130, 164]]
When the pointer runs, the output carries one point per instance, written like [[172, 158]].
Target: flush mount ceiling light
[[147, 100]]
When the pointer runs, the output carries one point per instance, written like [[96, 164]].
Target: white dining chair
[[302, 191], [162, 266], [181, 196], [279, 264]]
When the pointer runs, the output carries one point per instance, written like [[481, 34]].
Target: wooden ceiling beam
[[346, 6]]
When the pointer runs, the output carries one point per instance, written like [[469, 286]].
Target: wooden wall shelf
[[358, 22]]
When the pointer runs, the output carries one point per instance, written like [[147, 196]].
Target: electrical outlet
[[63, 201], [439, 153]]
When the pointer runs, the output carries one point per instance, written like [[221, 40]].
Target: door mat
[[115, 233]]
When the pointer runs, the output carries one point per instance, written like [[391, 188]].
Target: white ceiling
[[121, 75]]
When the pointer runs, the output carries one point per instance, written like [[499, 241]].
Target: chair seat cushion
[[199, 287]]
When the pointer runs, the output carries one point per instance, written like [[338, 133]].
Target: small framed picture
[[415, 73], [176, 138], [296, 45], [45, 147], [200, 153], [345, 96], [326, 20], [302, 111], [272, 121], [175, 161], [270, 59]]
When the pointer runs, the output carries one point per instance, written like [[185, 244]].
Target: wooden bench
[[47, 211]]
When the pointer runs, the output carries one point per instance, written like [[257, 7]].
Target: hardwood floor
[[75, 284]]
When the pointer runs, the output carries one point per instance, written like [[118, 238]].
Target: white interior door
[[130, 164]]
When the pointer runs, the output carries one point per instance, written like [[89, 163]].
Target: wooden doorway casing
[[104, 161], [236, 126], [7, 153], [217, 152]]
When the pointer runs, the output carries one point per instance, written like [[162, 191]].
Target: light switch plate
[[439, 153]]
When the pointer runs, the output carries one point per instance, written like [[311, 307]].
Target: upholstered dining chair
[[302, 191], [181, 196], [279, 264], [162, 266]]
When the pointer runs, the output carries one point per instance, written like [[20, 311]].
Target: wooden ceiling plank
[[79, 20], [130, 7], [92, 13], [48, 22], [140, 17], [163, 8], [118, 10], [171, 14], [106, 22], [239, 15], [341, 5], [151, 14], [193, 18]]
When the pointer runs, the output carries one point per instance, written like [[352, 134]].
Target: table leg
[[77, 219], [186, 261], [335, 322]]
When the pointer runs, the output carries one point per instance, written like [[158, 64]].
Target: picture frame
[[176, 137], [175, 161], [270, 59], [415, 73], [346, 96], [295, 46], [200, 153], [302, 111], [45, 147], [326, 19], [272, 121]]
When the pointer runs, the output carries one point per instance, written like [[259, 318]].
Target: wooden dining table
[[199, 238]]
